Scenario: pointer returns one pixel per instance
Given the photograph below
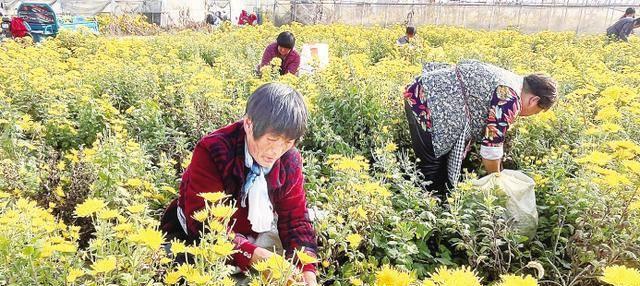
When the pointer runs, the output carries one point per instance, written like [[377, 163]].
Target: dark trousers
[[433, 169]]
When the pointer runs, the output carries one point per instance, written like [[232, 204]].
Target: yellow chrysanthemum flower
[[107, 214], [461, 276], [213, 197], [305, 258], [134, 183], [216, 226], [149, 237], [621, 276], [74, 274], [65, 247], [389, 276], [223, 248], [595, 157], [354, 240], [104, 265], [516, 280], [89, 207], [391, 147], [137, 208], [178, 247], [222, 211], [172, 278], [201, 215]]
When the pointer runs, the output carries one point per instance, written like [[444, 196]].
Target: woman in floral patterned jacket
[[450, 106]]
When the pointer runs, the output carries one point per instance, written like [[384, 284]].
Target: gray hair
[[277, 108], [542, 86]]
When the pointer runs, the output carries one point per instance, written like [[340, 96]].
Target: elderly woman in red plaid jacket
[[255, 161]]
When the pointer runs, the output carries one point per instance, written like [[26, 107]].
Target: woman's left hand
[[309, 278]]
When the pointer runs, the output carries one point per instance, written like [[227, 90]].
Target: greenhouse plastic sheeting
[[84, 7]]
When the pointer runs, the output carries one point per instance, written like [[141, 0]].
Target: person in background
[[214, 19], [19, 28], [255, 161], [449, 107], [629, 13], [282, 48], [247, 19], [623, 28], [409, 34]]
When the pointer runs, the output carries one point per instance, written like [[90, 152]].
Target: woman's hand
[[309, 278], [491, 166], [260, 254]]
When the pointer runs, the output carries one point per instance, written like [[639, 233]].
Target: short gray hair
[[277, 108]]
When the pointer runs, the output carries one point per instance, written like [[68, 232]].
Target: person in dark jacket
[[282, 48], [255, 161], [19, 27], [409, 34], [623, 28]]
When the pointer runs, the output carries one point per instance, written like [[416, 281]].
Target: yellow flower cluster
[[98, 130], [346, 164]]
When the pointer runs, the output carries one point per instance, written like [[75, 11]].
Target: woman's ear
[[534, 100], [248, 126], [530, 100]]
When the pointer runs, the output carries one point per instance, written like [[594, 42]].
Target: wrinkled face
[[530, 105], [267, 149], [283, 51]]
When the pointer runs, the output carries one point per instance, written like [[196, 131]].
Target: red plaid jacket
[[217, 165]]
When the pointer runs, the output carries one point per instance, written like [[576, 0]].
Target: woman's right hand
[[260, 254], [491, 166]]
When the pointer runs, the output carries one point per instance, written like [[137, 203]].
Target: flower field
[[95, 133]]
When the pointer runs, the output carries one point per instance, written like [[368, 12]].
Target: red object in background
[[253, 19], [18, 28], [246, 19]]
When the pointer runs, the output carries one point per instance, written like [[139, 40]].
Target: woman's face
[[267, 149], [283, 51]]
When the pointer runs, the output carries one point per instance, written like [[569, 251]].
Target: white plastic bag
[[521, 197]]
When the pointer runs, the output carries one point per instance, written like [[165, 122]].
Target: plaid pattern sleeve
[[201, 176], [294, 226], [454, 163]]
